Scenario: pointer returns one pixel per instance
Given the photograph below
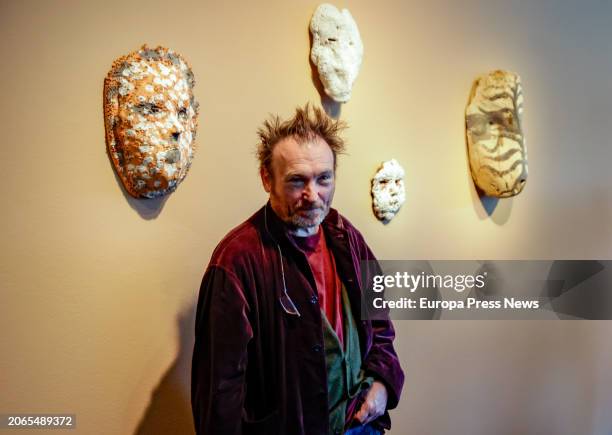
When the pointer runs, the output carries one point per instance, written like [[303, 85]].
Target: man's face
[[155, 127], [302, 183]]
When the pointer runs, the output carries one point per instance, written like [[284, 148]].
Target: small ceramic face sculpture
[[496, 145], [337, 50], [150, 119], [388, 193]]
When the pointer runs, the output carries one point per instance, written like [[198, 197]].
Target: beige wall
[[98, 289]]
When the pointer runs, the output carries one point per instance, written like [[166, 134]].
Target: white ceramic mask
[[337, 50], [388, 193]]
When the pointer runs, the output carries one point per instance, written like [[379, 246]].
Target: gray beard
[[298, 221]]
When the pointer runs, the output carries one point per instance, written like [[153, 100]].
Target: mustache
[[312, 206]]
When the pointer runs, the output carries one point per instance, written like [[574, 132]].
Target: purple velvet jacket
[[257, 369]]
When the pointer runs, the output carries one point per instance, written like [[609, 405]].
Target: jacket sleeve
[[222, 333], [382, 361]]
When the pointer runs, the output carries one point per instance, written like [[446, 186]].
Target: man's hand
[[374, 405]]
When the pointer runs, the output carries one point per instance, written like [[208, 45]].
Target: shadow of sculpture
[[488, 207], [489, 203], [169, 411], [147, 208]]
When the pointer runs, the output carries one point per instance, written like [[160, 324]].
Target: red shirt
[[328, 283]]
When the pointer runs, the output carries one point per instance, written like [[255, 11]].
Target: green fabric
[[344, 375]]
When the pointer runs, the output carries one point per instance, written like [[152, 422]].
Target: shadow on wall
[[169, 411], [147, 208]]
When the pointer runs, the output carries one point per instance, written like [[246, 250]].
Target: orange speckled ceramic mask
[[150, 116]]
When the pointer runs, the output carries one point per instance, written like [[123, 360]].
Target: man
[[280, 346]]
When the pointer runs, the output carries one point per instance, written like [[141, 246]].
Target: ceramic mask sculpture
[[388, 193], [496, 146], [150, 116], [337, 50]]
